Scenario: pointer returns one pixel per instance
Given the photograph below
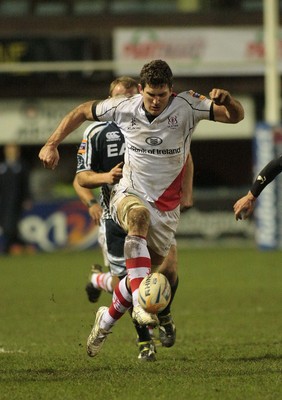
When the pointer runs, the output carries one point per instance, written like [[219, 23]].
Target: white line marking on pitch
[[4, 351]]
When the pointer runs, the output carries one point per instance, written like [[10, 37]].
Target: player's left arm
[[225, 107]]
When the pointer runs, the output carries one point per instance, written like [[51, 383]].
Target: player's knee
[[138, 218]]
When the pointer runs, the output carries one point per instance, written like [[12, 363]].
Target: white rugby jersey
[[156, 151]]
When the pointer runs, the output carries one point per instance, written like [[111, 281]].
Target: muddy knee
[[138, 220]]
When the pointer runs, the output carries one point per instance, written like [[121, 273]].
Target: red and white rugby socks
[[102, 281], [137, 261], [121, 302]]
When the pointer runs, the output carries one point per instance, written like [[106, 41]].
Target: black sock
[[143, 333], [174, 287]]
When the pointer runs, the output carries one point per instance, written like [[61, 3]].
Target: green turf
[[229, 327]]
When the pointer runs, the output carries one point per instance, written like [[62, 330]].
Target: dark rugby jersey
[[101, 149]]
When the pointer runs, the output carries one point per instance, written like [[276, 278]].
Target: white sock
[[102, 281]]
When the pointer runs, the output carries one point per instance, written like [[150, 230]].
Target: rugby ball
[[154, 293]]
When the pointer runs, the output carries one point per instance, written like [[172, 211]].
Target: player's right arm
[[49, 154]]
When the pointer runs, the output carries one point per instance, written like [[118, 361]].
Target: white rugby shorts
[[163, 224]]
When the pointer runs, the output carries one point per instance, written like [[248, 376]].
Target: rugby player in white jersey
[[158, 127], [98, 160]]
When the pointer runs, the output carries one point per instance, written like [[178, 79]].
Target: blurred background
[[57, 54]]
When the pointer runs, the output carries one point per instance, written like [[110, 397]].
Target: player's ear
[[140, 89]]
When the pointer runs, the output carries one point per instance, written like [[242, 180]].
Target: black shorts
[[115, 237]]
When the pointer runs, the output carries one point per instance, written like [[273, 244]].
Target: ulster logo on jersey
[[172, 122], [153, 141]]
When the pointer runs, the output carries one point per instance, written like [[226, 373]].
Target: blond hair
[[125, 81]]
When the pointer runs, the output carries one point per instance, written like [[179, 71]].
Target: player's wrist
[[251, 197], [91, 202], [52, 144]]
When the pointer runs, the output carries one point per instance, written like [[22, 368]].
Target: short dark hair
[[125, 81], [156, 73]]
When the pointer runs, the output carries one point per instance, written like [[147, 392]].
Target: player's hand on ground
[[115, 174], [244, 207], [220, 97], [49, 156]]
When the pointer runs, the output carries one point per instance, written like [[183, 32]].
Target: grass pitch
[[229, 331]]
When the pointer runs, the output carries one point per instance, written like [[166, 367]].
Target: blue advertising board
[[58, 224]]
